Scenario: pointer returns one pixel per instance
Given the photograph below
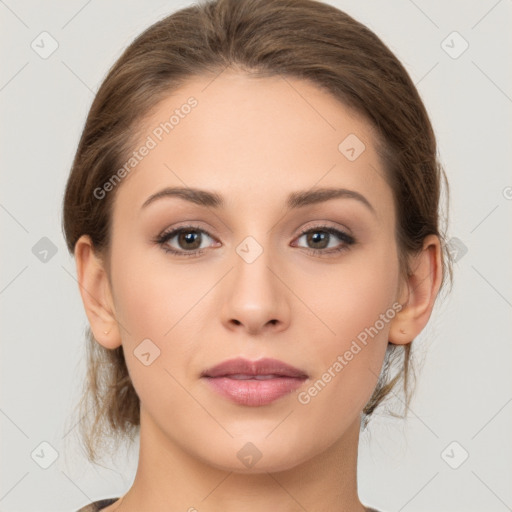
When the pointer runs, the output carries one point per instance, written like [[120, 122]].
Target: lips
[[261, 369], [254, 383]]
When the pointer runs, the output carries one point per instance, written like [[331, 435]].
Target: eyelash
[[344, 237]]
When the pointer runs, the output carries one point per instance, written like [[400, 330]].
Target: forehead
[[259, 137]]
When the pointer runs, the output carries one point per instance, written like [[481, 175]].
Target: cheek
[[158, 304], [349, 297], [354, 303], [155, 301], [153, 296]]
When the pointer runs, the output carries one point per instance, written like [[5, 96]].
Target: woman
[[254, 213]]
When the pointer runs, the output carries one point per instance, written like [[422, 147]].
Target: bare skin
[[253, 141]]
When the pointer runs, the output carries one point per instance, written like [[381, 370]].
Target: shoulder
[[98, 505]]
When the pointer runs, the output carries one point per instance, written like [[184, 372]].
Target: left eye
[[322, 236]]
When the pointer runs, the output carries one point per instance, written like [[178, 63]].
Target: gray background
[[464, 391]]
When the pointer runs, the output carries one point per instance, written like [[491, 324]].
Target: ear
[[96, 294], [418, 293]]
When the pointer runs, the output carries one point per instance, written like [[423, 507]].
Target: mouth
[[254, 383]]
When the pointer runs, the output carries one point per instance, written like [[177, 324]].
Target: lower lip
[[254, 392]]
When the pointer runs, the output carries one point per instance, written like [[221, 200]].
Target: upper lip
[[265, 366]]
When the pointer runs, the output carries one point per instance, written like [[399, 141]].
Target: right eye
[[188, 238]]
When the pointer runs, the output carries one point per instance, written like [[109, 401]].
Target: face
[[266, 273]]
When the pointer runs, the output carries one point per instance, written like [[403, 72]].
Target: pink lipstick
[[254, 383]]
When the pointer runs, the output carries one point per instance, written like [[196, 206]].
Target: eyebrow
[[295, 200]]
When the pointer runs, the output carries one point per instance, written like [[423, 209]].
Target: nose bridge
[[255, 296], [252, 278]]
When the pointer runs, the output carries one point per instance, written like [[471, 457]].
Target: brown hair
[[303, 39]]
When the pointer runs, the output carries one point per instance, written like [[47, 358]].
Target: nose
[[256, 300]]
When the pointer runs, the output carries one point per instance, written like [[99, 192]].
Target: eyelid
[[319, 224]]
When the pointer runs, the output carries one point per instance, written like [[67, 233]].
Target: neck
[[169, 478]]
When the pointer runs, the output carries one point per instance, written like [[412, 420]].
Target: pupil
[[318, 239], [190, 237]]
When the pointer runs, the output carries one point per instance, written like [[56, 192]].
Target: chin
[[258, 456]]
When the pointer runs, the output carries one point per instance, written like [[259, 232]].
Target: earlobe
[[94, 289], [419, 293]]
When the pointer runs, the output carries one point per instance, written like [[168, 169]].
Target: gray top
[[97, 506]]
